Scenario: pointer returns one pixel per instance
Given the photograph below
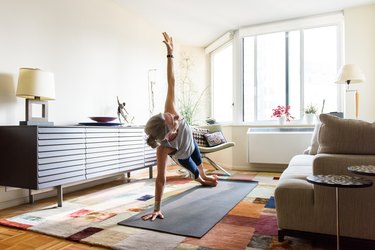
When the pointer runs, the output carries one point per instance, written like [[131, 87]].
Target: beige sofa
[[303, 207]]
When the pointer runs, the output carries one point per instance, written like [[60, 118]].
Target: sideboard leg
[[127, 176], [31, 197], [59, 190], [150, 172]]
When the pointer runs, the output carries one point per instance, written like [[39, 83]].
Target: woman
[[169, 133]]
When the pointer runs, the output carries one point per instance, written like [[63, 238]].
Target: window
[[321, 64], [222, 83], [268, 61], [295, 68], [293, 62]]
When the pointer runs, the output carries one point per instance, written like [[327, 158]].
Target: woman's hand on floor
[[152, 216]]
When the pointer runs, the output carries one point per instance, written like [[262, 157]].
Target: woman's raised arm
[[170, 99]]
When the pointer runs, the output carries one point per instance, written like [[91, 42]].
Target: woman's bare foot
[[210, 177], [207, 182]]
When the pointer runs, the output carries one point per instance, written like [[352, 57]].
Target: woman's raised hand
[[168, 42]]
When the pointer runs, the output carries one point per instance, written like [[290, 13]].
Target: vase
[[310, 118], [281, 119]]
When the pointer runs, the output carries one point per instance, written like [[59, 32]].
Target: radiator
[[277, 145]]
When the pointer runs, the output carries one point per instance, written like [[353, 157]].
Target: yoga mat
[[194, 212]]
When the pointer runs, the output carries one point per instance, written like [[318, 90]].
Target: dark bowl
[[103, 118]]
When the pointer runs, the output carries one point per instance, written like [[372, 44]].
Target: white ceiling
[[200, 22]]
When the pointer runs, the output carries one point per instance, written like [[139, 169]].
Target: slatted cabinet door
[[150, 155], [61, 153], [131, 151], [102, 152]]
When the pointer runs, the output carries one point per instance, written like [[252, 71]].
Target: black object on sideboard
[[38, 157]]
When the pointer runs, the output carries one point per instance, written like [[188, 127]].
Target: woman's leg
[[194, 165], [197, 172], [190, 166], [197, 158]]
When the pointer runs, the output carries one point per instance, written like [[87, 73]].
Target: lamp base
[[32, 120], [36, 123]]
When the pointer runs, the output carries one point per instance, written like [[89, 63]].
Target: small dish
[[103, 118]]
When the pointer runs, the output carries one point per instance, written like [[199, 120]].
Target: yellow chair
[[206, 150]]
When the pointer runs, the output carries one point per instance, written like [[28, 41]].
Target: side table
[[363, 170], [339, 181]]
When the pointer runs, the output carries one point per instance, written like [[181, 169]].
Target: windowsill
[[277, 125], [274, 124]]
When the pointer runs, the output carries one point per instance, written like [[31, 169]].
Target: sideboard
[[38, 157]]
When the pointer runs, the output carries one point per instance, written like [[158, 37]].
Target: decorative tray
[[100, 123]]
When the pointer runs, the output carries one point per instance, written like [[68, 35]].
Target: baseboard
[[13, 202], [277, 168], [50, 192]]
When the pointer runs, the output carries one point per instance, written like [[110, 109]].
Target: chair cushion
[[214, 139], [206, 150], [346, 136], [198, 134]]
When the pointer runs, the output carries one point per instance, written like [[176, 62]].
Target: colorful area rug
[[194, 212], [92, 219]]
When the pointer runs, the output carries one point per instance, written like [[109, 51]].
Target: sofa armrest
[[338, 163]]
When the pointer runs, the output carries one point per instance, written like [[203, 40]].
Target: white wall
[[198, 75], [96, 49], [360, 49]]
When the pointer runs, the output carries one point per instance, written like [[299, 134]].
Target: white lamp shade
[[350, 72], [34, 83]]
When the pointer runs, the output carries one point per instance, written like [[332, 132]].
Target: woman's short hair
[[156, 129]]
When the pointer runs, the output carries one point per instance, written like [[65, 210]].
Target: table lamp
[[37, 86], [349, 74]]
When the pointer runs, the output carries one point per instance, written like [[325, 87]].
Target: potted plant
[[310, 113], [282, 113], [188, 98]]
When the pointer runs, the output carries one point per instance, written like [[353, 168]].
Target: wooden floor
[[18, 239], [14, 239]]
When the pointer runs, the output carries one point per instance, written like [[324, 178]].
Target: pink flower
[[281, 110]]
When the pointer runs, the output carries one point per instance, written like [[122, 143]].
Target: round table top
[[339, 181], [362, 169]]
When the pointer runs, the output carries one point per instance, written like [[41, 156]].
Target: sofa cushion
[[301, 160], [345, 136], [298, 169]]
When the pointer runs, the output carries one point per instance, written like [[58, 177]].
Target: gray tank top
[[183, 143]]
